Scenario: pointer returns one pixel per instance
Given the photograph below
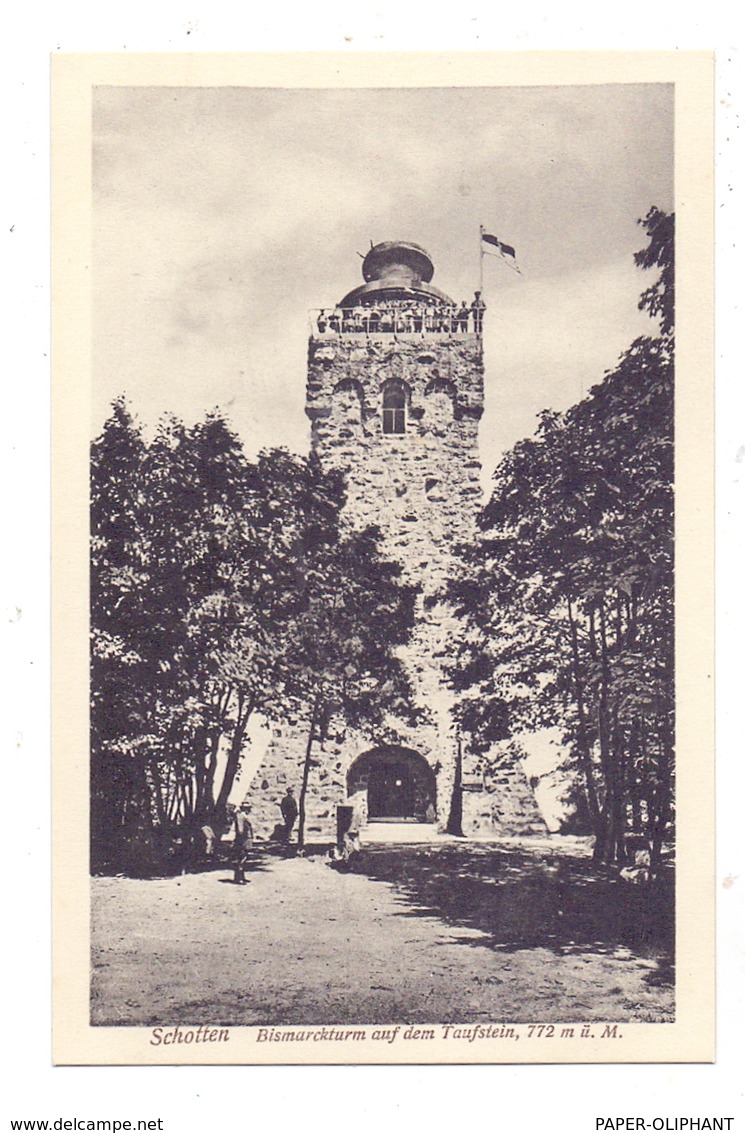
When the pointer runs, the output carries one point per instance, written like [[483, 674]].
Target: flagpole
[[481, 259]]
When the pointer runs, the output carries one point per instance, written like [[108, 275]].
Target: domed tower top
[[396, 269]]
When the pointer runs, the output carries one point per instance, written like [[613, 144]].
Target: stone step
[[402, 833]]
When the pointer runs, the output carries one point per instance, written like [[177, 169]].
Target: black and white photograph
[[386, 477]]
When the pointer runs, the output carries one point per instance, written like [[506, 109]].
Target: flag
[[505, 249]]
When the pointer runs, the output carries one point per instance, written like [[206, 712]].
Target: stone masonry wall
[[422, 489], [327, 785], [497, 798]]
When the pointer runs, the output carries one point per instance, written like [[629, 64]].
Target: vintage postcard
[[383, 586]]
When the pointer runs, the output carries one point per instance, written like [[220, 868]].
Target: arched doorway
[[397, 783]]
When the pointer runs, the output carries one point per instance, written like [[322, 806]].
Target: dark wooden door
[[390, 791]]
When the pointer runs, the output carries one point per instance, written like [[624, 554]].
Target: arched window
[[394, 408]]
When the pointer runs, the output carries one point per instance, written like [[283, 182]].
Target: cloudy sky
[[222, 215]]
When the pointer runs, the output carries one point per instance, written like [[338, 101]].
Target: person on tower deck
[[289, 810], [430, 320], [244, 840], [334, 321], [462, 317], [477, 310], [453, 320], [322, 322], [374, 320], [417, 321], [386, 320]]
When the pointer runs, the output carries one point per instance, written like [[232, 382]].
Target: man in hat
[[289, 810], [477, 310], [244, 840]]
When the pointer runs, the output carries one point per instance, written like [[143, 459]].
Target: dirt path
[[304, 944]]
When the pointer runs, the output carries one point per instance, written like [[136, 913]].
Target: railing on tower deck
[[390, 322]]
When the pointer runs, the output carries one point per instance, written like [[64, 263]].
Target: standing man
[[244, 840], [288, 807], [477, 310]]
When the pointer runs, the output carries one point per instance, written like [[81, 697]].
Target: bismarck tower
[[395, 393], [395, 399]]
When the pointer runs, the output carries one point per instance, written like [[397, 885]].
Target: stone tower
[[395, 393], [395, 396]]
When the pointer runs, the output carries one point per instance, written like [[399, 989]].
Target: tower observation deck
[[398, 298]]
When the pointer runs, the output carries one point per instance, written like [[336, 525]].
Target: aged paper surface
[[96, 360]]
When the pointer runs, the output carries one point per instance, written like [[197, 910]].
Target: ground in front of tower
[[435, 933]]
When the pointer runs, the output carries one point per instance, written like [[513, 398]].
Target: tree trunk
[[583, 744], [455, 818], [609, 844], [208, 799], [662, 800], [155, 784], [200, 770], [306, 774], [206, 808], [234, 754]]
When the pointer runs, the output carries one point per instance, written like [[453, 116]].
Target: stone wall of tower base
[[332, 760], [497, 800]]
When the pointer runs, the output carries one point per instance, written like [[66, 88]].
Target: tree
[[117, 791], [156, 513], [340, 658], [220, 588], [659, 298], [568, 595], [292, 515]]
